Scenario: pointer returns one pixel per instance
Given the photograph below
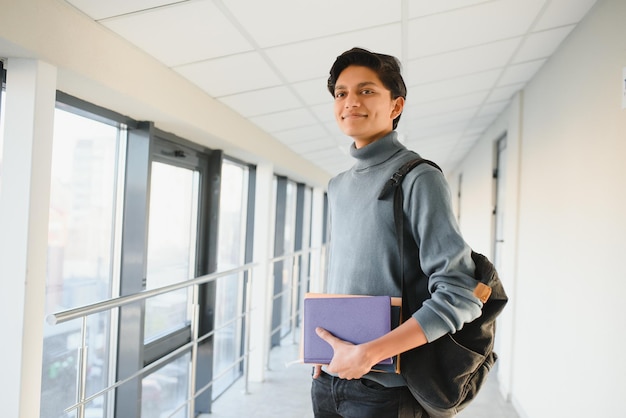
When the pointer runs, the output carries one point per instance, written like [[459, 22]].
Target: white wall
[[477, 203], [562, 355]]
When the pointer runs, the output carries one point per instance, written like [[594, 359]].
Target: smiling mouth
[[353, 116]]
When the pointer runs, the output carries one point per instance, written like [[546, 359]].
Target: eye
[[367, 92], [339, 94]]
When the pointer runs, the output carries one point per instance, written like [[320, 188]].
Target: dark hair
[[387, 68]]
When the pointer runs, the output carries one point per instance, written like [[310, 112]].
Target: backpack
[[446, 374]]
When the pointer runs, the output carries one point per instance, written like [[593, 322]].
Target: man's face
[[364, 109]]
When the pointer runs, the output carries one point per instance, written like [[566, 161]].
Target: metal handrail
[[108, 305], [70, 314]]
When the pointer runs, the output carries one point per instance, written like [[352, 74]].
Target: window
[[131, 208], [288, 265], [176, 252], [164, 392], [285, 195], [171, 246], [81, 256], [499, 178], [230, 290]]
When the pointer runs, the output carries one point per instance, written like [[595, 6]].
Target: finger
[[317, 371], [325, 335]]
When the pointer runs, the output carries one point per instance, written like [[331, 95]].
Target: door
[[499, 175]]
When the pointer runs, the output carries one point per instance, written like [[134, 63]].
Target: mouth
[[353, 116]]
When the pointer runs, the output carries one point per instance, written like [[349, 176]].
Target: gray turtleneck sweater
[[364, 256]]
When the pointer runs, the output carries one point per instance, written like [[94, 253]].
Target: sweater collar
[[377, 152]]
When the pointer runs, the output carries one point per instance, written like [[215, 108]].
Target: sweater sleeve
[[444, 256]]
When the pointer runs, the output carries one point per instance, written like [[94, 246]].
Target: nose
[[352, 100]]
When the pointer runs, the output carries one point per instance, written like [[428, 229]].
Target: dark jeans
[[361, 398]]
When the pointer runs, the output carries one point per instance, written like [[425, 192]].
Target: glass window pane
[[231, 254], [80, 254], [304, 262], [171, 246], [164, 392], [290, 234]]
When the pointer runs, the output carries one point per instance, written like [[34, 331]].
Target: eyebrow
[[360, 85]]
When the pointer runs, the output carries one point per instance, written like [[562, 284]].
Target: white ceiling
[[463, 60]]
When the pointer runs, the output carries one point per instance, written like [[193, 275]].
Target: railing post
[[246, 336], [295, 281], [194, 351], [82, 370], [270, 300]]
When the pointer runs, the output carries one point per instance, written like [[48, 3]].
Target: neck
[[361, 142]]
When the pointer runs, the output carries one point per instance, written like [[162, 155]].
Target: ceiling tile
[[424, 8], [324, 112], [472, 100], [471, 26], [102, 9], [520, 73], [312, 146], [481, 123], [328, 154], [301, 134], [314, 92], [231, 74], [564, 12], [434, 143], [493, 109], [180, 34], [312, 59], [281, 121], [542, 44], [463, 62], [505, 92], [333, 128], [452, 87], [413, 132], [261, 102], [288, 21]]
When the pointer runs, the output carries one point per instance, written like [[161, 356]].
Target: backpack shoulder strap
[[398, 176], [395, 184], [482, 290]]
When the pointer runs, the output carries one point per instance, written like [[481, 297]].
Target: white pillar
[[262, 280], [24, 203], [317, 232]]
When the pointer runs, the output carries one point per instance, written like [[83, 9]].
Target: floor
[[285, 394]]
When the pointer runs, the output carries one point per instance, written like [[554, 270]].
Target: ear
[[398, 107]]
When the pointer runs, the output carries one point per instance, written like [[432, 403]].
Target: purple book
[[354, 319]]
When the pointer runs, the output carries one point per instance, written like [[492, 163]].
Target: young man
[[369, 97]]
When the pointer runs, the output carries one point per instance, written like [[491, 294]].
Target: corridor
[[285, 394]]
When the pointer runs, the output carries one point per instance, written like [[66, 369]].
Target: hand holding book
[[348, 324], [349, 361]]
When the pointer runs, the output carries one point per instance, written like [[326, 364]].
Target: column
[[262, 278], [24, 203]]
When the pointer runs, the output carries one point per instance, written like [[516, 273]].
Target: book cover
[[355, 319]]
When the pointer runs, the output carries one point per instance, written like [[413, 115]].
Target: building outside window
[[81, 265]]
